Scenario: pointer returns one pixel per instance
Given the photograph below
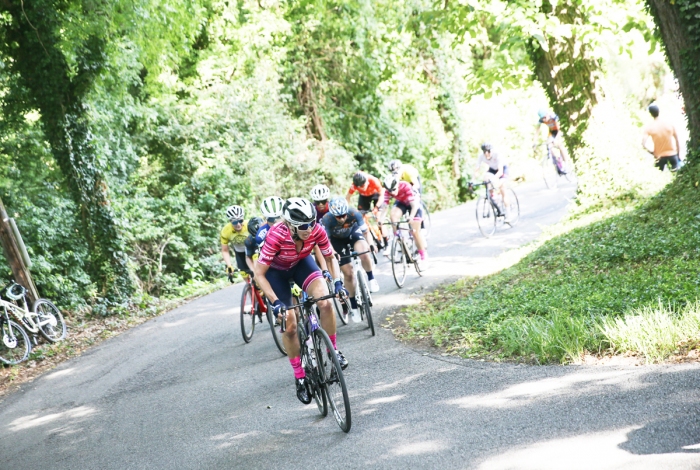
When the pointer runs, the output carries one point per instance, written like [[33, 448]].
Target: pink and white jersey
[[406, 194], [280, 251]]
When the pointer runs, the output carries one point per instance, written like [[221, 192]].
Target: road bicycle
[[377, 238], [555, 167], [490, 210], [404, 251], [362, 294], [253, 307], [320, 363], [15, 346]]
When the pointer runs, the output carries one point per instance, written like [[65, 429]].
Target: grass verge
[[593, 289]]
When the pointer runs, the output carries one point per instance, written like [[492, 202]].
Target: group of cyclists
[[277, 249], [300, 241]]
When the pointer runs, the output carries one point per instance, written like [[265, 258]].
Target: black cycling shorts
[[341, 244], [365, 202]]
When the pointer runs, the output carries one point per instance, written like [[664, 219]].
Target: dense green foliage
[[552, 305], [129, 126]]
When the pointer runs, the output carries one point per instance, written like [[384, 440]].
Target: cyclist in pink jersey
[[406, 200], [285, 257]]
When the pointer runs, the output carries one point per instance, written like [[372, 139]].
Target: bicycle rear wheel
[[14, 344], [550, 173], [513, 208], [398, 261], [247, 313], [333, 381], [49, 320], [427, 224], [485, 216], [276, 333], [366, 299]]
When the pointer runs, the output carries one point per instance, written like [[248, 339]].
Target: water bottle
[[310, 347], [313, 321]]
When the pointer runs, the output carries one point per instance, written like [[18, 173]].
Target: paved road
[[183, 392]]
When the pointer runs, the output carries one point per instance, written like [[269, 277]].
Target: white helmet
[[395, 166], [235, 213], [298, 211], [271, 207], [320, 192], [391, 182]]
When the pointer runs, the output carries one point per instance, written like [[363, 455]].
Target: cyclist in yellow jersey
[[235, 232], [407, 173]]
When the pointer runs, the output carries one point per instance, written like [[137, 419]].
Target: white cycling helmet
[[271, 207], [320, 192], [338, 206], [298, 211], [235, 213], [395, 166], [391, 182]]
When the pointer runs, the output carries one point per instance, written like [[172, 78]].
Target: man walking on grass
[[665, 138]]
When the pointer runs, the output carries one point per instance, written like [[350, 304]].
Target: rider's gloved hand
[[340, 288], [277, 307], [230, 270], [327, 274]]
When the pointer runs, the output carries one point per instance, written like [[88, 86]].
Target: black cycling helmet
[[359, 179], [486, 147], [254, 225]]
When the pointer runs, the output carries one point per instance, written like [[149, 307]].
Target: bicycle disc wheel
[[338, 306], [485, 216], [276, 333], [513, 208], [550, 173], [398, 261], [247, 313], [15, 345], [333, 381], [427, 224], [366, 299], [49, 320]]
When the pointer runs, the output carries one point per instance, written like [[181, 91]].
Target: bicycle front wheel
[[366, 299], [333, 381], [15, 345], [513, 208], [247, 313], [485, 216], [550, 173], [276, 330], [398, 261], [338, 305], [49, 320]]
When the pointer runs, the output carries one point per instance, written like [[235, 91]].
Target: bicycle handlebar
[[308, 302]]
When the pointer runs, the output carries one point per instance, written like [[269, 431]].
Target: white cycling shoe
[[373, 286], [355, 314]]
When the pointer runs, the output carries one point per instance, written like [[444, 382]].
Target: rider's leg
[[348, 278], [279, 281], [366, 259]]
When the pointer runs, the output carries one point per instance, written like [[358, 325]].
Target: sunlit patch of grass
[[654, 332]]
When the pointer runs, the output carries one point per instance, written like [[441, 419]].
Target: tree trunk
[[679, 27], [32, 43], [568, 74]]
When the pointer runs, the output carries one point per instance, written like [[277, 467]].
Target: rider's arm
[[415, 205], [260, 272], [225, 253], [320, 259], [645, 139]]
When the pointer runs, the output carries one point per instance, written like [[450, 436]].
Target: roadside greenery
[[626, 284]]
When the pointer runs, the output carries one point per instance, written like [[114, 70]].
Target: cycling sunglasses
[[308, 226], [236, 221], [340, 216], [318, 203]]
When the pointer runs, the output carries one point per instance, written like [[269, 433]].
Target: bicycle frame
[[24, 316], [370, 218]]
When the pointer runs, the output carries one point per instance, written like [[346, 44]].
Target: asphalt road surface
[[184, 392]]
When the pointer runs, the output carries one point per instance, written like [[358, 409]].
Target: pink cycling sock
[[332, 337], [296, 365], [422, 254]]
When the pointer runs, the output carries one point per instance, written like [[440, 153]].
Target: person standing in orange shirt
[[665, 138]]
